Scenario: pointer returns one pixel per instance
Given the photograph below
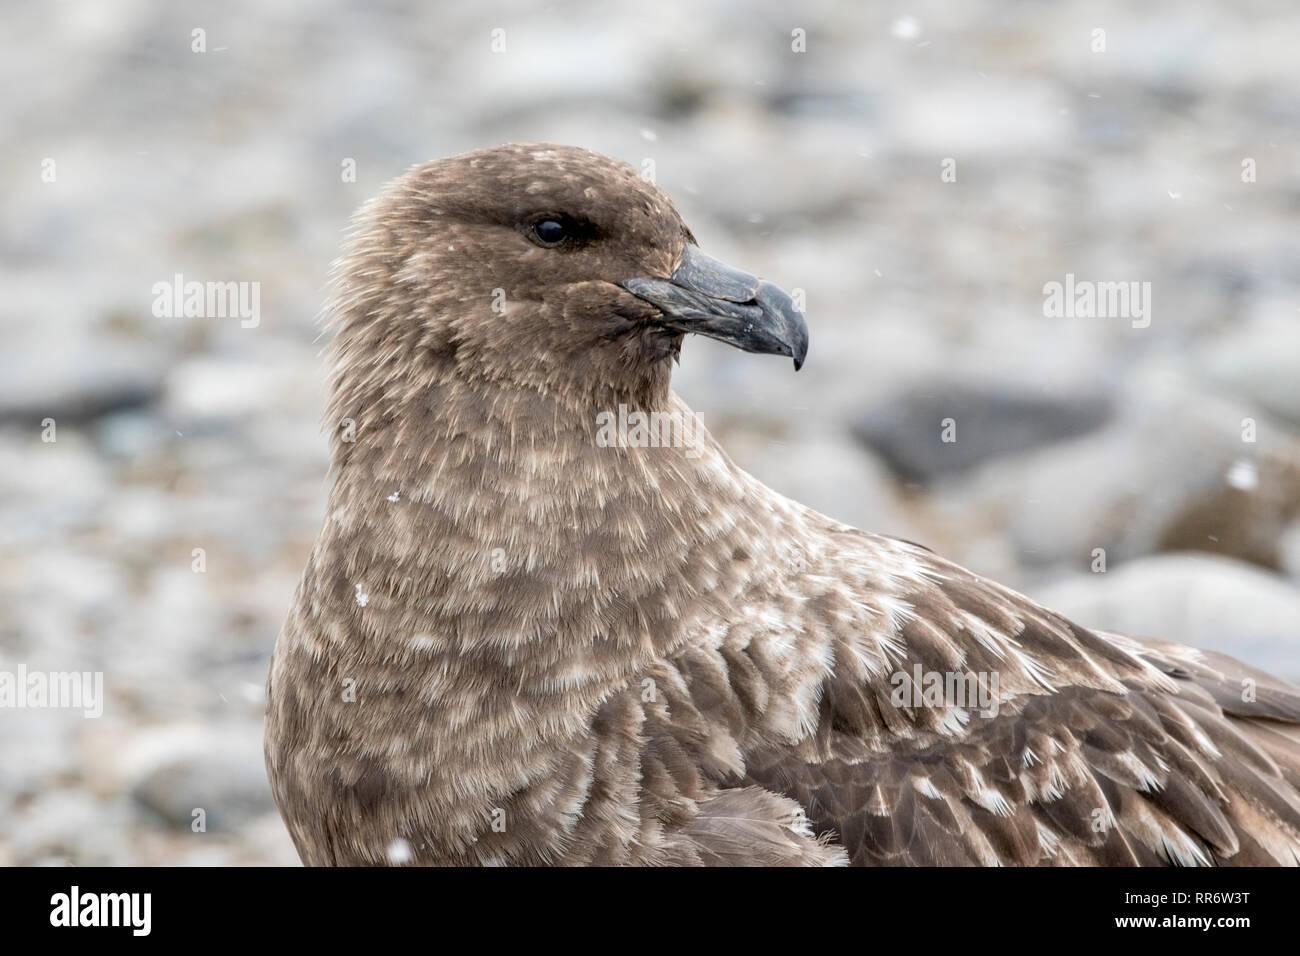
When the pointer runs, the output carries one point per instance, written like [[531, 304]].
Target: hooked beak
[[710, 298]]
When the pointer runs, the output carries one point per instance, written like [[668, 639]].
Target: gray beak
[[710, 298]]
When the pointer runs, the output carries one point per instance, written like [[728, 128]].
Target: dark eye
[[549, 232]]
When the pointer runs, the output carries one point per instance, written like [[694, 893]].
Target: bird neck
[[546, 533]]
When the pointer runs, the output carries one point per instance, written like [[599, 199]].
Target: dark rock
[[987, 421], [73, 384]]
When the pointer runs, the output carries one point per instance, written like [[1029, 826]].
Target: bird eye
[[549, 232]]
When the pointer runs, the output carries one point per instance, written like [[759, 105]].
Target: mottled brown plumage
[[517, 644]]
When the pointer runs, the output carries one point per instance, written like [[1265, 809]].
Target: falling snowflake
[[1243, 475], [362, 597], [906, 28], [396, 495], [399, 852]]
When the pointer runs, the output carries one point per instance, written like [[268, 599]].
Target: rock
[[1259, 360], [1173, 473], [1288, 547], [175, 771], [959, 117], [72, 383], [203, 391], [1209, 602], [989, 420], [39, 746], [52, 488], [827, 472], [64, 826]]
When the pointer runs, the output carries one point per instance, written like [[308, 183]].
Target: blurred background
[[921, 170]]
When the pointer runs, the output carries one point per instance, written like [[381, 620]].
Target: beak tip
[[799, 350]]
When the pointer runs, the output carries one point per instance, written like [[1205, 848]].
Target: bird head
[[537, 266]]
